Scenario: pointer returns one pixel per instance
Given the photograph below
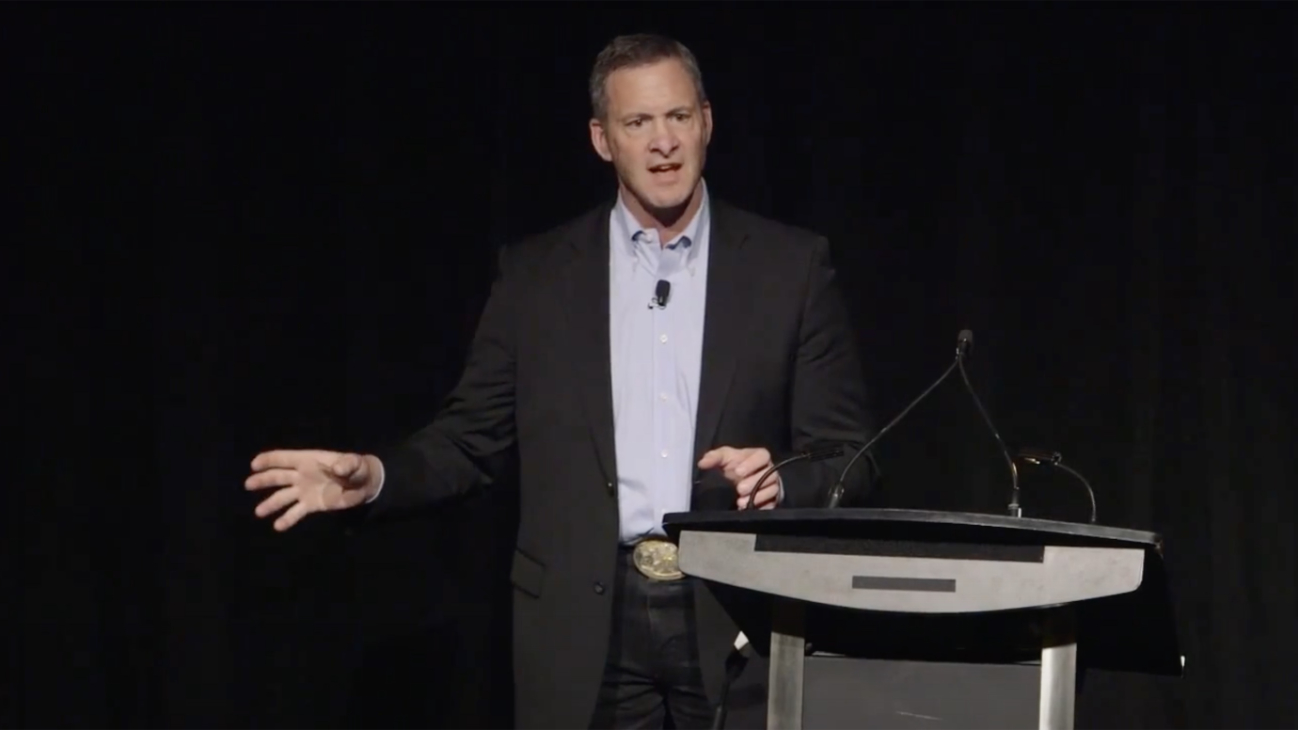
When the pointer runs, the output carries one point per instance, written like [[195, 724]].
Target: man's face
[[655, 133]]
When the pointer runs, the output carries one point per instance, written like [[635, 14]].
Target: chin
[[665, 203], [668, 198]]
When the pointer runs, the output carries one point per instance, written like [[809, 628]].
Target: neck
[[669, 222]]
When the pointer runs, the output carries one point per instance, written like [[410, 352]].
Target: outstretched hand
[[309, 481], [743, 467]]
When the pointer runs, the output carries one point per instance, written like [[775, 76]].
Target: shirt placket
[[664, 376]]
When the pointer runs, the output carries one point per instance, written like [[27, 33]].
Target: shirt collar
[[630, 230]]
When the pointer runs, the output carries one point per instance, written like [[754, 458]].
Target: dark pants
[[652, 677]]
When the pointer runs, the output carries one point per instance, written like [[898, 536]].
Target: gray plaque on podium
[[910, 619]]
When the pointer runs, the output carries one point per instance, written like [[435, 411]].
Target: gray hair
[[630, 51]]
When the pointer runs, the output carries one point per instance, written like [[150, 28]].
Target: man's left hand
[[743, 467]]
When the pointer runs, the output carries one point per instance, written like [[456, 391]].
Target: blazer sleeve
[[470, 443], [828, 401]]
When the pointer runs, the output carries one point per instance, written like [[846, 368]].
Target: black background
[[243, 226]]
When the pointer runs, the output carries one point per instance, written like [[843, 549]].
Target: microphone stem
[[836, 494], [812, 455], [1015, 508], [1090, 492]]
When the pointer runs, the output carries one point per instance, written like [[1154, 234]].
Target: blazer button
[[608, 486], [599, 588]]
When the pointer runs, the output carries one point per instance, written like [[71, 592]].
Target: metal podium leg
[[1058, 670], [788, 654]]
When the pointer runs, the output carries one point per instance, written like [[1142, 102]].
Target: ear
[[707, 123], [599, 140]]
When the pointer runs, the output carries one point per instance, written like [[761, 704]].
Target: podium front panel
[[1030, 577]]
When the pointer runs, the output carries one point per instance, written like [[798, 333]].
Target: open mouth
[[665, 169]]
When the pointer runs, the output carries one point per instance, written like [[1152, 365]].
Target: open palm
[[308, 481]]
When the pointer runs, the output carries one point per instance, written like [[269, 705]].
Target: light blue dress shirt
[[657, 353]]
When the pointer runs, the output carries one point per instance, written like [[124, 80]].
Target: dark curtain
[[245, 226]]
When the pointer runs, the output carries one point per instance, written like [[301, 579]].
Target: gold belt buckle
[[655, 558]]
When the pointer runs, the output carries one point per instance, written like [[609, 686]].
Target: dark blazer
[[780, 370]]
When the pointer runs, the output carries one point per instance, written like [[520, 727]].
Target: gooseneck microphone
[[662, 290], [966, 342], [836, 493], [1054, 459], [829, 452]]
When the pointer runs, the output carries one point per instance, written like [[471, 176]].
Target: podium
[[880, 618]]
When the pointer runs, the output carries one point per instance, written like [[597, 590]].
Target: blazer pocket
[[527, 575]]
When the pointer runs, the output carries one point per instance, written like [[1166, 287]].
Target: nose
[[664, 140]]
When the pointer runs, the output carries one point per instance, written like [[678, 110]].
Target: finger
[[292, 516], [715, 458], [278, 501], [277, 459], [744, 486], [270, 478], [766, 497], [751, 463]]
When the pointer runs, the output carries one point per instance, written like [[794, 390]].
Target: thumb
[[346, 465], [714, 458]]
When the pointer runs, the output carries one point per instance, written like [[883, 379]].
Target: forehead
[[655, 87]]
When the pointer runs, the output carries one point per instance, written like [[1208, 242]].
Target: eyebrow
[[646, 115]]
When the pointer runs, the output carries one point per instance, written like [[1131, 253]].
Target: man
[[619, 399]]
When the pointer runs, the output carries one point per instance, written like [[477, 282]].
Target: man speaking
[[645, 358]]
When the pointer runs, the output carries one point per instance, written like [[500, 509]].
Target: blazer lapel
[[725, 323], [588, 309]]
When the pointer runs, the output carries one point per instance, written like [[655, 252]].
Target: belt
[[656, 559]]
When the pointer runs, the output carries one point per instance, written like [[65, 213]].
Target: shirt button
[[662, 338], [664, 453], [662, 396], [599, 588]]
